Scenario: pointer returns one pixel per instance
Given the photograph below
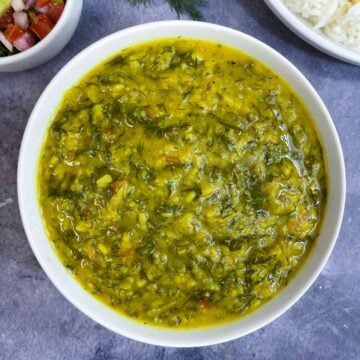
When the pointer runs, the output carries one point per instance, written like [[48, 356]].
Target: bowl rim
[[47, 40], [313, 37], [160, 338]]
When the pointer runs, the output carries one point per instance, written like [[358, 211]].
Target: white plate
[[314, 37]]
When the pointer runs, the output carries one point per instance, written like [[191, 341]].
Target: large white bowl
[[48, 47], [44, 251], [314, 37]]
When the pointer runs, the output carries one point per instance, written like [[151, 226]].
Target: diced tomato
[[6, 19], [41, 25], [172, 159], [205, 304], [13, 32], [55, 12], [126, 253], [41, 3]]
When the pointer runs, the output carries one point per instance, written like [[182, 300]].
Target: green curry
[[182, 183]]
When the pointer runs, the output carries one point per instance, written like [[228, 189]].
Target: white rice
[[339, 19]]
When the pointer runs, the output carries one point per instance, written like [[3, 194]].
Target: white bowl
[[44, 251], [314, 37], [48, 47]]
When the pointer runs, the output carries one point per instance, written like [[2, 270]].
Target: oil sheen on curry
[[182, 183]]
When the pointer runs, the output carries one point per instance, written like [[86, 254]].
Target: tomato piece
[[55, 12], [7, 19], [126, 253], [41, 3], [172, 159], [13, 32], [205, 304], [41, 25]]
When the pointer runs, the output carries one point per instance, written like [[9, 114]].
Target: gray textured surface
[[37, 322]]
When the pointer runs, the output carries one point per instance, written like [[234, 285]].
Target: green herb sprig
[[190, 7]]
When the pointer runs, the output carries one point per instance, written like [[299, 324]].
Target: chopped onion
[[24, 42], [21, 19], [43, 9], [5, 42], [18, 5], [29, 4]]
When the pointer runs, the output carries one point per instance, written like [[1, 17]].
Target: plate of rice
[[332, 26]]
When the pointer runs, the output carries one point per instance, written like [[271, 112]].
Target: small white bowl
[[43, 249], [314, 37], [48, 47]]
